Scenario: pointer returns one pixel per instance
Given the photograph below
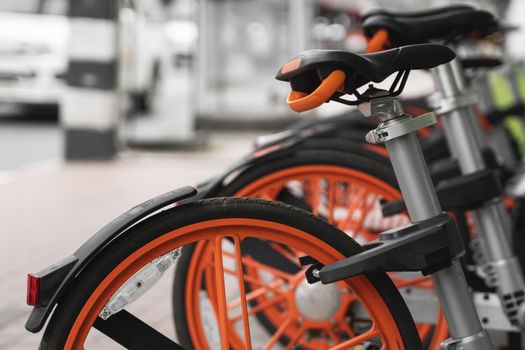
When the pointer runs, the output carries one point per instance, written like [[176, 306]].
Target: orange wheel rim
[[383, 324], [364, 190]]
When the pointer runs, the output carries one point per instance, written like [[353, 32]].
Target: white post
[[90, 111]]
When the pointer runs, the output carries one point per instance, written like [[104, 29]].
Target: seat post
[[457, 121], [398, 131], [477, 129]]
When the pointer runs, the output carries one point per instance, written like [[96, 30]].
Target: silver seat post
[[398, 131], [476, 127], [457, 121], [491, 221]]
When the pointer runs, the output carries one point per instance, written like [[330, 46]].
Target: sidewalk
[[47, 212]]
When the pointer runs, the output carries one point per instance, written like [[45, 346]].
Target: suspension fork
[[492, 223]]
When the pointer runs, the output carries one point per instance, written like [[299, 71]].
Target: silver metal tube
[[476, 128], [505, 219], [459, 130], [413, 177], [456, 301], [457, 124], [422, 203], [490, 227]]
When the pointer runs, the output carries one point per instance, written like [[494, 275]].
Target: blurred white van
[[33, 50]]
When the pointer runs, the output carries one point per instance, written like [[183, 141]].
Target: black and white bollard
[[91, 112]]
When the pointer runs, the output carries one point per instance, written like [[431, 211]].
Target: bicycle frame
[[463, 133], [422, 204]]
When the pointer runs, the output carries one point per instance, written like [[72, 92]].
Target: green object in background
[[515, 126], [519, 71], [501, 91], [504, 97]]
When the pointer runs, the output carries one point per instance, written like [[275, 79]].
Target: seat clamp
[[400, 126], [449, 104]]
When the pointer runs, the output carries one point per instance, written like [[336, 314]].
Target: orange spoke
[[354, 201], [315, 188], [295, 339], [357, 340], [209, 282], [257, 282], [365, 209], [364, 206], [258, 265], [248, 261], [346, 327], [334, 336], [292, 256], [221, 294], [261, 306], [257, 293], [242, 292], [331, 205], [270, 193], [278, 333]]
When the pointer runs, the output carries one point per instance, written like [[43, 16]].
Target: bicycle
[[118, 264], [268, 178]]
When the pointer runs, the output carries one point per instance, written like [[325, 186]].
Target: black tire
[[361, 162]]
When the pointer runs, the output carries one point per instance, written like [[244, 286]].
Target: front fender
[[54, 280]]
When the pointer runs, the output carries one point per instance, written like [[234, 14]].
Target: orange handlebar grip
[[377, 42], [300, 101]]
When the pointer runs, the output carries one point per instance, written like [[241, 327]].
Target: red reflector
[[33, 283]]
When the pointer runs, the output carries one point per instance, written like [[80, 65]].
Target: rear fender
[[281, 150], [54, 280]]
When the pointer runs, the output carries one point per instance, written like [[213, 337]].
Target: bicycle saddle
[[448, 24], [428, 12], [317, 76]]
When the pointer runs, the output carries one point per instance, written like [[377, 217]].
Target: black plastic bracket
[[444, 169], [313, 265], [467, 192], [427, 246], [470, 191]]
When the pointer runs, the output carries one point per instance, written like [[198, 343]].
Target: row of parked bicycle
[[386, 231]]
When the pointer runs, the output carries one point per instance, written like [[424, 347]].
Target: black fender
[[353, 125], [55, 279], [280, 150]]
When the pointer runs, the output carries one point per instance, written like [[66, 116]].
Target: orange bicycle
[[93, 288]]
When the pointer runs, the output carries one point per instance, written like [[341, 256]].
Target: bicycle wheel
[[329, 184], [232, 227]]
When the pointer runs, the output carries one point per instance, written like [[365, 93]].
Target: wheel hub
[[318, 302]]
